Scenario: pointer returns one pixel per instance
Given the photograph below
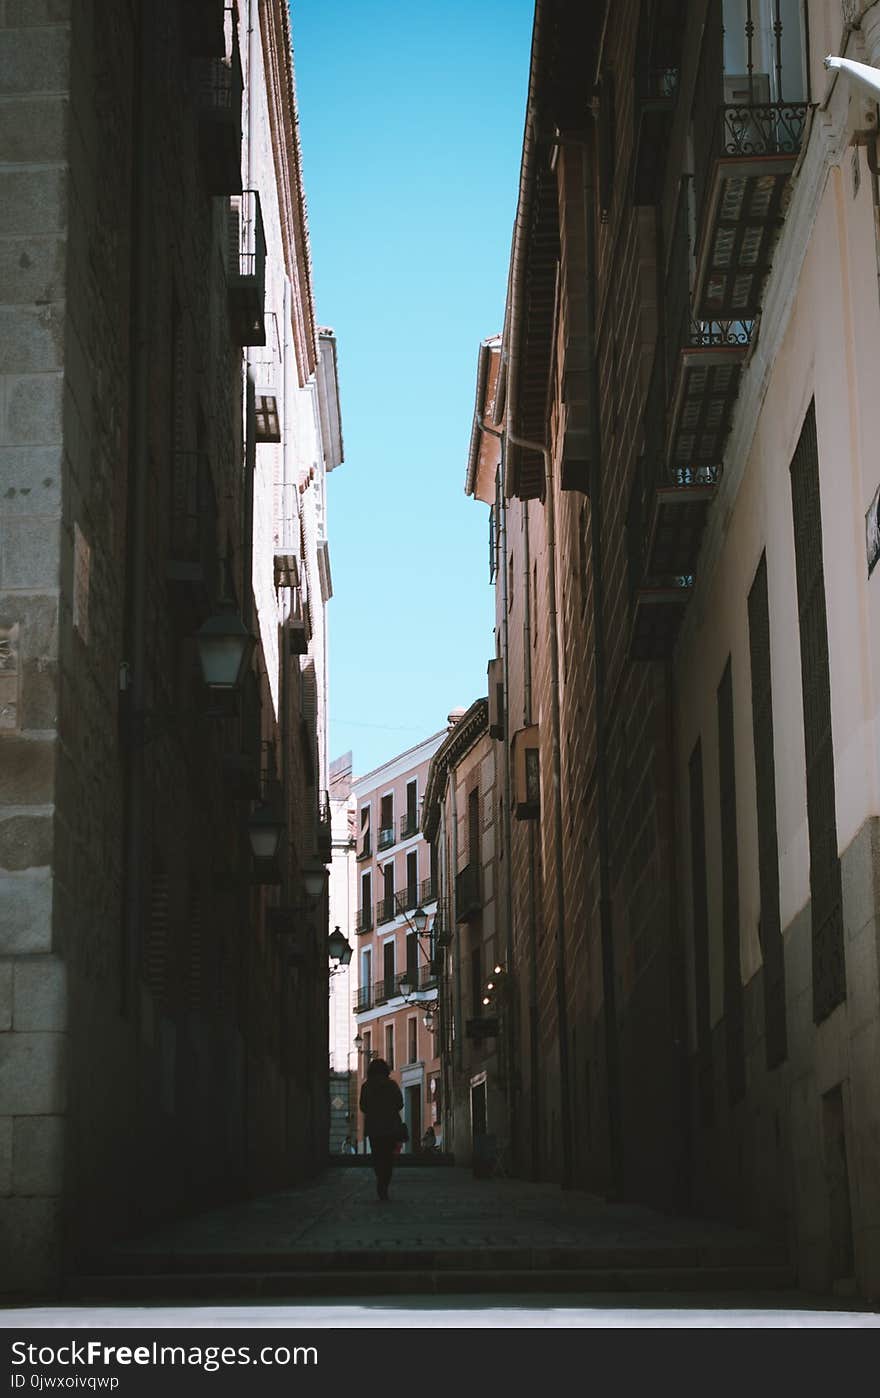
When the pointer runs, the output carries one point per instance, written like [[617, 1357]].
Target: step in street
[[442, 1232]]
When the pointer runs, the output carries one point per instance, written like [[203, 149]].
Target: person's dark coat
[[381, 1101]]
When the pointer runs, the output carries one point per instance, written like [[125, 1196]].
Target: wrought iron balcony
[[667, 516], [407, 898], [428, 892], [218, 93], [364, 919], [386, 837], [385, 909], [246, 278], [743, 205], [409, 825], [363, 999], [324, 831], [468, 902], [748, 128], [388, 988]]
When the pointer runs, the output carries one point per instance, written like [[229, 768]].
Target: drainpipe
[[133, 686], [534, 1058]]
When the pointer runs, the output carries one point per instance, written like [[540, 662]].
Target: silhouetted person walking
[[381, 1101]]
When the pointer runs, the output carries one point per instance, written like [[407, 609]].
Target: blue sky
[[411, 118]]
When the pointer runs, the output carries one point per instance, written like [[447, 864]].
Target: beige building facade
[[673, 435]]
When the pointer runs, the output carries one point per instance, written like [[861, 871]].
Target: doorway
[[413, 1115]]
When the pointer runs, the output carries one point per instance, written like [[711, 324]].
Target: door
[[413, 1115]]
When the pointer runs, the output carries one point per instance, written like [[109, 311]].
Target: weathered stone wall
[[35, 135], [155, 1053]]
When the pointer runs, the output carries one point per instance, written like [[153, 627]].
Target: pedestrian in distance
[[381, 1101]]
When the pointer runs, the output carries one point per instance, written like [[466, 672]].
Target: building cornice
[[470, 727], [284, 124]]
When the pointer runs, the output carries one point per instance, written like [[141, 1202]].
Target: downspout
[[134, 676], [534, 1056]]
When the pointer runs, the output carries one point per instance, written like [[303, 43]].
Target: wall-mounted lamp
[[265, 828], [338, 947], [225, 647]]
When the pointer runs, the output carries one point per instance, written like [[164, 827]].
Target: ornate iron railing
[[363, 999], [364, 919], [409, 825], [385, 909], [386, 837]]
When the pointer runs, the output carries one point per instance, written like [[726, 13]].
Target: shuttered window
[[733, 996], [701, 939], [765, 790], [829, 982]]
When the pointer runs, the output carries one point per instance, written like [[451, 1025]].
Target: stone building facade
[[673, 437], [395, 879], [461, 819], [168, 413]]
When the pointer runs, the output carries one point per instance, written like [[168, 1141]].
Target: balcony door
[[764, 46], [412, 879], [412, 811]]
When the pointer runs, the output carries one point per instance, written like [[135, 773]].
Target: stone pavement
[[442, 1231]]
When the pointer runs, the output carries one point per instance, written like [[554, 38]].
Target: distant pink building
[[396, 1003]]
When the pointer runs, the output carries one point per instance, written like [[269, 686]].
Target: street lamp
[[265, 828], [314, 878], [338, 947], [225, 647]]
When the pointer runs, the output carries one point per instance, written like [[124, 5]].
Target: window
[[411, 819], [368, 1047], [412, 879], [412, 954], [829, 983], [365, 844], [473, 826], [412, 1039], [366, 972], [389, 1045], [388, 969], [733, 996], [268, 428], [366, 913], [765, 791], [386, 821], [701, 938], [477, 982]]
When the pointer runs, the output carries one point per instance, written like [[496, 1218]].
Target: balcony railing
[[363, 999], [364, 919], [428, 891], [247, 269], [386, 837], [366, 847], [468, 902], [385, 909], [409, 825], [407, 898], [748, 129], [324, 831], [218, 92]]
